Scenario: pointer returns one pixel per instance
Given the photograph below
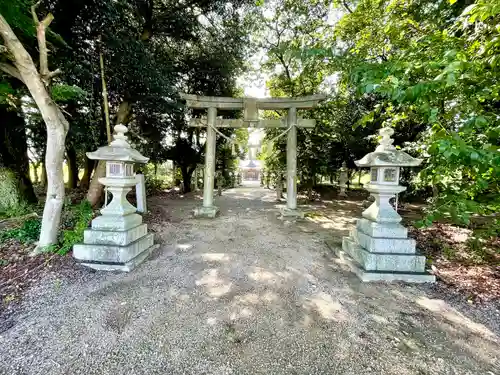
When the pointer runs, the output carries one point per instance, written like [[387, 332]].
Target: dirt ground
[[245, 293]]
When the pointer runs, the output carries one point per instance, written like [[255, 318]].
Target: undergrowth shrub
[[154, 184], [75, 221], [29, 232]]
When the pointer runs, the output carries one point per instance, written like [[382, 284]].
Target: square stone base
[[107, 237], [116, 222], [123, 267], [207, 212], [114, 254], [374, 274], [289, 214]]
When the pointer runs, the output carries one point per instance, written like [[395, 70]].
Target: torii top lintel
[[302, 102]]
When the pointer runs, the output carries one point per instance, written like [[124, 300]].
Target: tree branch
[[53, 74], [11, 70], [46, 74], [344, 2]]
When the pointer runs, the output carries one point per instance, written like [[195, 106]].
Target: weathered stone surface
[[383, 261], [378, 230], [287, 213], [140, 193], [126, 267], [371, 276], [384, 245], [119, 223], [381, 210], [112, 253], [207, 212], [121, 238]]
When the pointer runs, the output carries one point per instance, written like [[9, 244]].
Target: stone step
[[379, 230], [392, 262], [384, 245], [120, 238], [119, 223], [112, 253], [124, 267], [371, 276]]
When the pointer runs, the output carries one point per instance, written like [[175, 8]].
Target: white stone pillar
[[140, 193], [208, 186], [291, 161], [208, 209]]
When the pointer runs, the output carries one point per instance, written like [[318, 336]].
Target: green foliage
[[433, 67], [154, 184], [11, 203], [6, 91], [29, 232], [76, 220], [63, 93]]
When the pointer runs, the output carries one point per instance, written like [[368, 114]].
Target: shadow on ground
[[245, 293]]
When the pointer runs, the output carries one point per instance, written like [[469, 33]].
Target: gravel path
[[243, 294]]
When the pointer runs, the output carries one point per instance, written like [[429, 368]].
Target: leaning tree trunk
[[56, 124], [56, 136]]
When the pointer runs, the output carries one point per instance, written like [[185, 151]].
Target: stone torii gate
[[251, 107]]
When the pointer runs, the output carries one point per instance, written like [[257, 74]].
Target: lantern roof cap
[[119, 149], [386, 155]]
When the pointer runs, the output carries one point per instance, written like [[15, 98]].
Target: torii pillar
[[291, 167]]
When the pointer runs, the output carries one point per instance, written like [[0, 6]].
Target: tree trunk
[[156, 169], [35, 172], [310, 196], [186, 178], [95, 193], [14, 152], [88, 168], [57, 128], [72, 168]]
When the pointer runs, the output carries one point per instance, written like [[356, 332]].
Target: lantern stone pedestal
[[117, 240], [207, 212], [378, 248], [288, 213]]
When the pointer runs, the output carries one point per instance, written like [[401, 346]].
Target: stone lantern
[[379, 249], [343, 178], [117, 240]]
